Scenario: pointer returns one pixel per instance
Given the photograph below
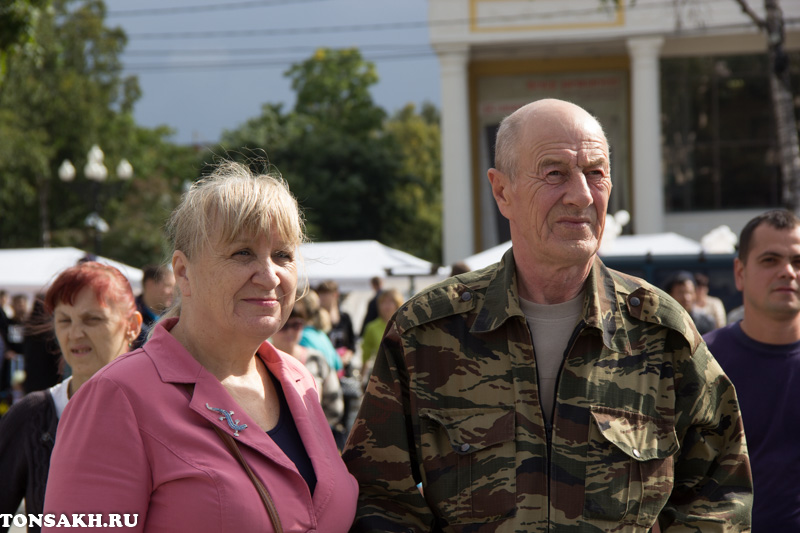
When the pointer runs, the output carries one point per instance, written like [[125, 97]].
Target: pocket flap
[[470, 430], [641, 437]]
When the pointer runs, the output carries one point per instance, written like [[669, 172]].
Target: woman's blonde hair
[[231, 201], [234, 200], [318, 317], [391, 294]]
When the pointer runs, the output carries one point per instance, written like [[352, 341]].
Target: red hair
[[108, 284]]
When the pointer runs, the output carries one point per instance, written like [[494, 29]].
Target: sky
[[205, 66]]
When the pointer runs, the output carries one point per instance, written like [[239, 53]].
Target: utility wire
[[386, 26], [276, 50], [177, 10], [252, 64], [399, 54]]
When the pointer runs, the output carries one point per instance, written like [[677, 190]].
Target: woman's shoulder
[[271, 355], [21, 411], [129, 369]]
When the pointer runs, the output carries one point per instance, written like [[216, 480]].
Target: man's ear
[[738, 273], [180, 268], [501, 190]]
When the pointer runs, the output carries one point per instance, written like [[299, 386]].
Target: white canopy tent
[[31, 270], [622, 245], [353, 263]]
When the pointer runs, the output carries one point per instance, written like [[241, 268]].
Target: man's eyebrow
[[550, 161], [597, 162], [773, 253]]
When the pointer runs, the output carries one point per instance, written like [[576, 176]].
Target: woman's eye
[[284, 255], [243, 253]]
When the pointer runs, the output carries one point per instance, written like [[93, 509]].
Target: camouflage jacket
[[646, 426]]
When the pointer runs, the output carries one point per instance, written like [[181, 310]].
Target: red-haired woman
[[95, 320]]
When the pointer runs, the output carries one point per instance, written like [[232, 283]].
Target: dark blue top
[[286, 436], [767, 382]]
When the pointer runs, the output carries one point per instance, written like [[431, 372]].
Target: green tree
[[18, 19], [333, 87], [419, 137], [55, 107], [344, 161]]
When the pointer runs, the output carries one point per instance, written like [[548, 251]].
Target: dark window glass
[[719, 140]]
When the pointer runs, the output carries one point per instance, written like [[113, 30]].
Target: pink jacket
[[130, 442]]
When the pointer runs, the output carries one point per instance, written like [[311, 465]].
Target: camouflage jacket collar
[[601, 308]]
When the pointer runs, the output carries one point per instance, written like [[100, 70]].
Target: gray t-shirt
[[551, 327]]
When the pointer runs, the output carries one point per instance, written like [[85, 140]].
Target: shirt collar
[[59, 394], [601, 307]]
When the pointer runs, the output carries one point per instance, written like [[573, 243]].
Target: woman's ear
[[135, 325], [180, 268]]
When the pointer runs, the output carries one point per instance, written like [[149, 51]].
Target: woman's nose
[[266, 275], [76, 330]]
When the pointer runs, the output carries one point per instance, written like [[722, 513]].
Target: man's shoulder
[[720, 334], [648, 303], [629, 287], [452, 296]]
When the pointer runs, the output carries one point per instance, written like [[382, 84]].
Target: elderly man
[[761, 355], [546, 392]]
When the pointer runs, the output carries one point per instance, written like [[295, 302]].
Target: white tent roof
[[487, 257], [653, 243], [31, 270], [352, 263], [623, 245]]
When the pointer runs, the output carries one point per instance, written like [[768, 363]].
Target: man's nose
[[578, 192], [789, 270]]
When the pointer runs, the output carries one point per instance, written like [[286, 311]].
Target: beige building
[[679, 85]]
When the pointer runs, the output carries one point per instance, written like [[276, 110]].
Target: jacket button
[[465, 297], [636, 454], [636, 302], [465, 447]]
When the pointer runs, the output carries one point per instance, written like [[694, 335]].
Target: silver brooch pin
[[226, 415]]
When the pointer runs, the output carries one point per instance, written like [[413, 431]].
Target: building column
[[648, 181], [458, 216]]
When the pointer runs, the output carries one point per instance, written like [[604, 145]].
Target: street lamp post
[[95, 171]]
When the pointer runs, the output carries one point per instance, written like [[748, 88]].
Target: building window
[[718, 132]]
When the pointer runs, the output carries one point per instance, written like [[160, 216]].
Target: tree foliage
[[18, 20], [55, 106], [356, 174]]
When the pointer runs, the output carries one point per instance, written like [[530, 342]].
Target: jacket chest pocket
[[629, 466], [469, 463]]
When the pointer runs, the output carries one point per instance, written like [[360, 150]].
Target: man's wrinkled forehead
[[577, 147]]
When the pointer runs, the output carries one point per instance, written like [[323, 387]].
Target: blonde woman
[[167, 432]]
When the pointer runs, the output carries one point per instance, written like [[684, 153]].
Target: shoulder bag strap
[[230, 443]]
